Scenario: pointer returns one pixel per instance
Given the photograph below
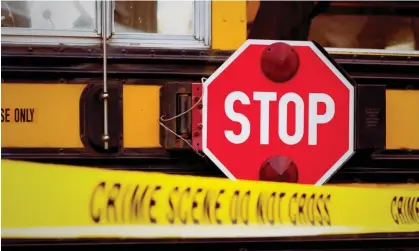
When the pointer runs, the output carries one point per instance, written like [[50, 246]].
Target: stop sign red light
[[278, 109]]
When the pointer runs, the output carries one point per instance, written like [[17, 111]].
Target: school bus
[[85, 82], [58, 58]]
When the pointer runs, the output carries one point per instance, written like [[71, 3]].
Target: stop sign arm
[[358, 141]]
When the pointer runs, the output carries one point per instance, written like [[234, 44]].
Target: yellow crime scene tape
[[55, 201]]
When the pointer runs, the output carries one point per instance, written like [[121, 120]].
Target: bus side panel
[[402, 123], [141, 116], [228, 24]]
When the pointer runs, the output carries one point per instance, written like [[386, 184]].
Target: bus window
[[161, 23], [49, 15], [165, 17], [366, 31], [353, 25], [50, 22]]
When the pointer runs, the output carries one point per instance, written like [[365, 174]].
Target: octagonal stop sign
[[279, 111]]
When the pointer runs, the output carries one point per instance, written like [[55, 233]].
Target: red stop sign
[[284, 111]]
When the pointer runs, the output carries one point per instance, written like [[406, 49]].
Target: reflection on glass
[[159, 16], [291, 21], [49, 15], [365, 31]]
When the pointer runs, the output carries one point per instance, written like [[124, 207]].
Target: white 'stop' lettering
[[265, 98]]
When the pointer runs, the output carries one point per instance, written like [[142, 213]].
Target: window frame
[[201, 37], [10, 35]]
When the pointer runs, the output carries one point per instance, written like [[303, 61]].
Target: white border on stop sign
[[330, 65]]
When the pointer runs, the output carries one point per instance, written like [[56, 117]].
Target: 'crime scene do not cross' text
[[117, 203], [152, 204]]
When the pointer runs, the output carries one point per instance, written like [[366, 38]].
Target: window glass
[[158, 16], [366, 31], [353, 25], [49, 15]]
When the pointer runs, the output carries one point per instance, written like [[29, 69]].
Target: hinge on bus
[[91, 118], [175, 99]]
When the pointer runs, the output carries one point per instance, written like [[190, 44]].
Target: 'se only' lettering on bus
[[17, 115], [405, 210], [297, 208]]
